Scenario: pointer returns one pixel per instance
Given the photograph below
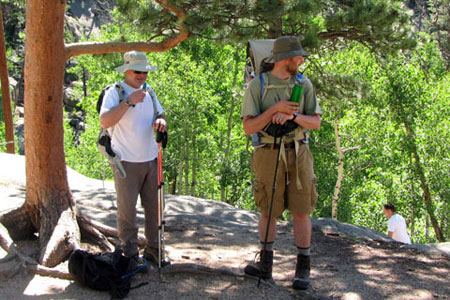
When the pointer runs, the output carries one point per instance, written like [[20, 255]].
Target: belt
[[290, 145]]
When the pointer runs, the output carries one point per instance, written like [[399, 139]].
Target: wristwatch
[[295, 116], [127, 101]]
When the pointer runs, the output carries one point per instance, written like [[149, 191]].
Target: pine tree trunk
[[49, 202], [337, 188]]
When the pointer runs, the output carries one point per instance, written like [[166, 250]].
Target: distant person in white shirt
[[396, 225]]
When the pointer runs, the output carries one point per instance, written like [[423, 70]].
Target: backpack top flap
[[257, 50]]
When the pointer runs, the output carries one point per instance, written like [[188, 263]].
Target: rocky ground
[[210, 243]]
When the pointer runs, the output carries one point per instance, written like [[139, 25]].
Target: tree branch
[[112, 47], [204, 270]]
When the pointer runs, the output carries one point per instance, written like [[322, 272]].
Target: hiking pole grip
[[161, 137]]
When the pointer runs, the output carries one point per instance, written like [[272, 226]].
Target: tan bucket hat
[[135, 60], [286, 47]]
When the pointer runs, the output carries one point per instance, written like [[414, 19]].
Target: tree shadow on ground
[[344, 267], [216, 235]]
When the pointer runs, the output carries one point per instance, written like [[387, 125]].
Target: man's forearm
[[255, 124], [308, 122], [111, 117]]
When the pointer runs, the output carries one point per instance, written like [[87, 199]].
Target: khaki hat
[[135, 60], [286, 47]]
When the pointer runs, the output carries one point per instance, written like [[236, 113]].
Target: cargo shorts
[[287, 195]]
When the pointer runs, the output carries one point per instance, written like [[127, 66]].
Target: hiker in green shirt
[[266, 101]]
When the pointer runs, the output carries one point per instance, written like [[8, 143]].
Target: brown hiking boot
[[261, 268], [302, 272], [151, 255]]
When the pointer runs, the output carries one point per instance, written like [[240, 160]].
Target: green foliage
[[14, 22], [374, 102], [194, 83], [371, 98], [380, 24], [363, 84], [85, 157]]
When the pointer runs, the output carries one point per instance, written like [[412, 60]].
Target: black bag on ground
[[102, 271]]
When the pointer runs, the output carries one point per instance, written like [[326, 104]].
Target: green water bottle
[[297, 93]]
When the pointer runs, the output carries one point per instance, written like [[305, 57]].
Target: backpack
[[104, 137], [257, 51], [104, 272]]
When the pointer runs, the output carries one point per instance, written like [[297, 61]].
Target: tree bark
[[18, 223], [6, 99], [337, 188], [49, 202]]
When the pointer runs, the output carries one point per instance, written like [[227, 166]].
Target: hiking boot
[[138, 264], [261, 268], [302, 271], [151, 255]]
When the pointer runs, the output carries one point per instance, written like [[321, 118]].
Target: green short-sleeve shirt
[[276, 90]]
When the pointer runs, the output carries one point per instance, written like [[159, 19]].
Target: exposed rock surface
[[348, 261]]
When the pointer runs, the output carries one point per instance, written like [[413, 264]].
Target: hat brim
[[142, 68], [285, 55]]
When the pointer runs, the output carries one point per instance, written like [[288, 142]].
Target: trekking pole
[[162, 141], [271, 202]]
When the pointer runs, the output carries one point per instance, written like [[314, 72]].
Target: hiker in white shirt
[[396, 225], [134, 117]]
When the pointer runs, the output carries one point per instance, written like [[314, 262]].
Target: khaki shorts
[[286, 196]]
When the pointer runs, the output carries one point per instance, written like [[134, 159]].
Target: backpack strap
[[120, 91], [105, 137], [153, 99], [262, 90]]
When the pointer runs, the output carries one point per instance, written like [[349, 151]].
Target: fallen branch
[[8, 244], [198, 269], [96, 236], [44, 271], [204, 270], [30, 264], [107, 230]]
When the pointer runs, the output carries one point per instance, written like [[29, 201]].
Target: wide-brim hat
[[135, 60], [286, 47]]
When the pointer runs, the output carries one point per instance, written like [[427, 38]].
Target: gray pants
[[141, 179]]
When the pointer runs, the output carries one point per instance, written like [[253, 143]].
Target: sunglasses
[[139, 72]]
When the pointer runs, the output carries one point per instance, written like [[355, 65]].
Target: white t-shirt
[[397, 225], [133, 136]]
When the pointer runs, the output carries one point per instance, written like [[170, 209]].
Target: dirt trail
[[348, 262]]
